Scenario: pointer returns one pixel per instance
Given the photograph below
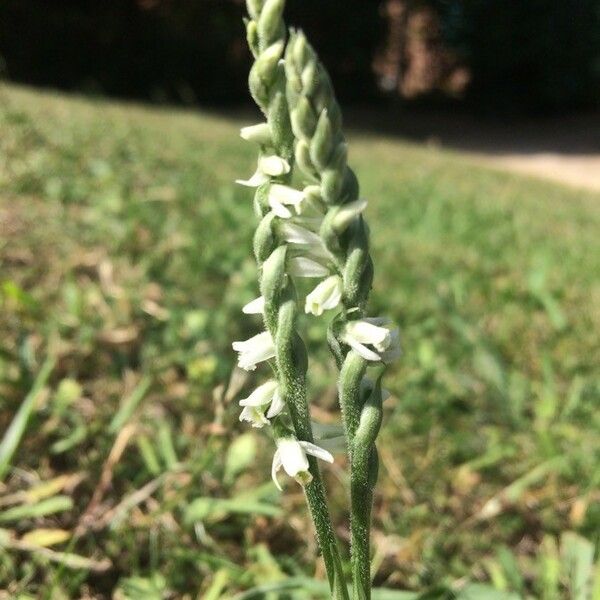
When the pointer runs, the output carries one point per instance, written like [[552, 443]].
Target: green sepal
[[270, 22], [355, 273], [254, 7], [279, 120], [302, 154], [304, 120], [263, 73], [371, 417], [321, 145], [252, 36], [273, 277], [264, 239]]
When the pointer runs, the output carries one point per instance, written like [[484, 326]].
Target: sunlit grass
[[124, 259]]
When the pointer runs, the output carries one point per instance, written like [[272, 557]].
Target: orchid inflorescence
[[313, 230]]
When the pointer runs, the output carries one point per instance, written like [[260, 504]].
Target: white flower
[[347, 213], [311, 243], [300, 266], [369, 332], [326, 296], [268, 166], [282, 196], [292, 456], [296, 234], [256, 307], [257, 349], [261, 133], [264, 399], [273, 165]]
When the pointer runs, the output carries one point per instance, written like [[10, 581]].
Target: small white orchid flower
[[264, 399], [255, 307], [311, 243], [369, 332], [347, 213], [257, 349], [260, 134], [326, 296], [268, 166], [282, 196], [300, 266], [291, 455], [296, 234]]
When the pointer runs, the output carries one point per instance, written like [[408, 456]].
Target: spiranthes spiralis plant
[[315, 230]]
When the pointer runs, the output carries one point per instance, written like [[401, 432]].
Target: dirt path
[[578, 170], [563, 149]]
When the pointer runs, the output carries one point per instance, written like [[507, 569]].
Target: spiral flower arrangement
[[315, 230]]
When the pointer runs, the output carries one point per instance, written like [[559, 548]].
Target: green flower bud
[[274, 276], [254, 7], [270, 23], [279, 120], [321, 144], [263, 73], [303, 157], [264, 240], [252, 37], [304, 120]]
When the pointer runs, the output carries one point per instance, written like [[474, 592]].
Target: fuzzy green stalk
[[266, 35], [321, 153]]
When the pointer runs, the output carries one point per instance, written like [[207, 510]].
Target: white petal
[[293, 457], [257, 349], [284, 194], [277, 405], [256, 307], [261, 133], [363, 350], [300, 266], [295, 234], [257, 179], [255, 416], [273, 165], [316, 451], [326, 296], [262, 395], [348, 213], [366, 332], [280, 210], [275, 467]]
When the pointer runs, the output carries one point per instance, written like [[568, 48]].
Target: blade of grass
[[41, 509], [15, 431], [129, 405]]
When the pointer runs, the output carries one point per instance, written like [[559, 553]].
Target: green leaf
[[578, 561], [15, 431], [41, 509], [240, 455], [129, 405], [204, 508]]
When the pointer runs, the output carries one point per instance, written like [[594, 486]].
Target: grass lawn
[[125, 257]]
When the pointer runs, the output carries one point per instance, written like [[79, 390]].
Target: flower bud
[[270, 23], [259, 134], [304, 120], [321, 144], [346, 213]]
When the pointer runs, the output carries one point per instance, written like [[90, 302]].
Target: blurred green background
[[125, 258]]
